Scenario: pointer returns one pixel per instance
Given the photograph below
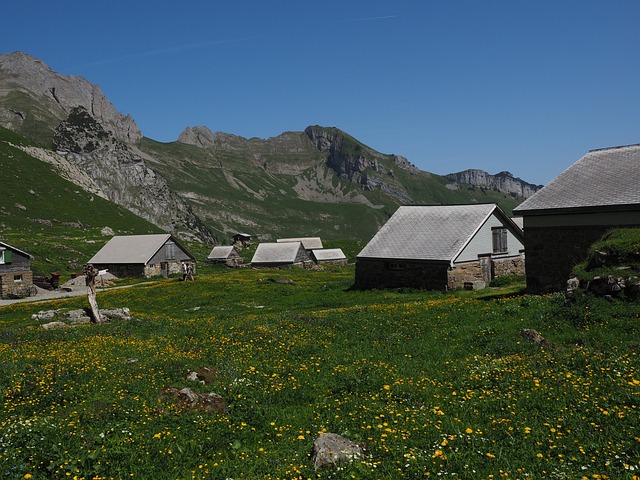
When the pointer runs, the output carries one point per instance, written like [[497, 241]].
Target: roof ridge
[[614, 148]]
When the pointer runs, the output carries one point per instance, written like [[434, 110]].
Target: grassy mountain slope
[[283, 186], [51, 218]]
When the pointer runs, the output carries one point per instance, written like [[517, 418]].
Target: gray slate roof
[[285, 252], [328, 254], [606, 177], [428, 233], [130, 249], [309, 243], [220, 252], [10, 247]]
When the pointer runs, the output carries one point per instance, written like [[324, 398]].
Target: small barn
[[309, 243], [562, 220], [441, 247], [225, 255], [16, 278], [274, 255], [329, 256], [143, 256], [242, 239]]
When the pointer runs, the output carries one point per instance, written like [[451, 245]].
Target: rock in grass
[[535, 337], [330, 449]]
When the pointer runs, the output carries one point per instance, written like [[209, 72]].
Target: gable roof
[[437, 233], [328, 254], [221, 252], [309, 243], [603, 179], [133, 249], [285, 252], [10, 247]]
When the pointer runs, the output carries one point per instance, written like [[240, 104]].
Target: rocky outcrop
[[53, 96], [204, 138], [353, 161], [502, 182], [120, 171]]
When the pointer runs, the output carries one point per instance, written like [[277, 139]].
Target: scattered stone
[[50, 325], [330, 449], [130, 361], [107, 232], [20, 207], [535, 337], [281, 280], [79, 316], [203, 402], [572, 285], [205, 376]]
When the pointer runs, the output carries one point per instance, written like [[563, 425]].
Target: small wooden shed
[[242, 239], [16, 278], [225, 255]]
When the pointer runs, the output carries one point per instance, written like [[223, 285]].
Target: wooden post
[[91, 273]]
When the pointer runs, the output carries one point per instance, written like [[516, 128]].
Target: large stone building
[[440, 248], [599, 192]]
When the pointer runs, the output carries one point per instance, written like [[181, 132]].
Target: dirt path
[[47, 295]]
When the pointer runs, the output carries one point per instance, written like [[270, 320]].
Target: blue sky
[[523, 86]]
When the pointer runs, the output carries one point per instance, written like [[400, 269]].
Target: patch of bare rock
[[63, 318]]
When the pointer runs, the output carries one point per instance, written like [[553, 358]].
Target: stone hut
[[440, 248], [16, 278], [599, 192], [143, 256]]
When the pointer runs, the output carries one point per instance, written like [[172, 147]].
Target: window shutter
[[8, 256]]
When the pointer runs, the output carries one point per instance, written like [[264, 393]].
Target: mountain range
[[207, 186]]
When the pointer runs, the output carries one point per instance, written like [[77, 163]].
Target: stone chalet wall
[[373, 273], [552, 252], [8, 285], [507, 266], [471, 271]]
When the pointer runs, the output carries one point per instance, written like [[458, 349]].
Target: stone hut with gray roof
[[277, 255], [225, 254], [16, 278], [440, 248], [143, 256], [599, 192]]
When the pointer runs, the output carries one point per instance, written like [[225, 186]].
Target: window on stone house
[[170, 251], [17, 279], [499, 235]]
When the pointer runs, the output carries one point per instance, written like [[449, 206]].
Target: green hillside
[[51, 218], [283, 186]]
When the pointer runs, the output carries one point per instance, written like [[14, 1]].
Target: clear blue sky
[[523, 86]]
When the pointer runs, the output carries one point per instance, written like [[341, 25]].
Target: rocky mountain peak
[[57, 94]]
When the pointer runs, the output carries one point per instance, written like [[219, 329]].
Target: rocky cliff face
[[33, 95], [119, 170], [356, 163], [501, 182]]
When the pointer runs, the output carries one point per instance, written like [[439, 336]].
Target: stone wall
[[374, 273], [507, 266], [9, 286], [462, 273], [551, 253]]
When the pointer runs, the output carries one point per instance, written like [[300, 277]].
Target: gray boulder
[[330, 449]]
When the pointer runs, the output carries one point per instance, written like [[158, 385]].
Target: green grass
[[617, 253], [51, 218], [437, 384]]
